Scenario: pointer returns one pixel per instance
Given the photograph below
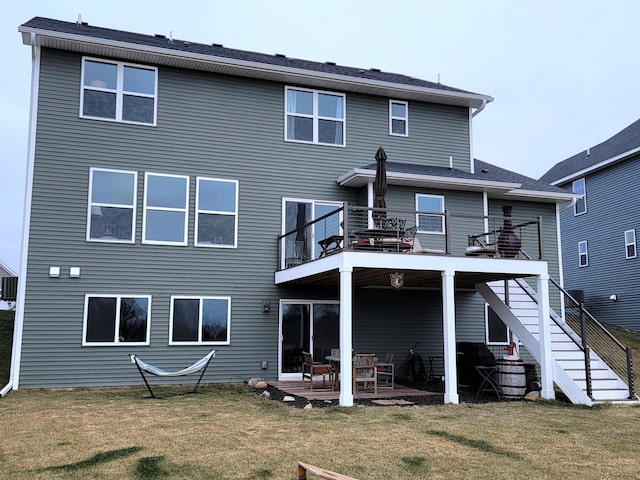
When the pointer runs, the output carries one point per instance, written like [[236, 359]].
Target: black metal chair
[[489, 382]]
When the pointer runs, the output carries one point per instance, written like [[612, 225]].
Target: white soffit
[[178, 58]]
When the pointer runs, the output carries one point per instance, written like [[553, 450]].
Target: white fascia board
[[256, 69], [359, 177], [597, 166], [542, 195]]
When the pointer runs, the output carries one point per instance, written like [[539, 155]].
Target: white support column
[[346, 337], [449, 333], [546, 355]]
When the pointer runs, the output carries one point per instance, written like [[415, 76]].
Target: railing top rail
[[308, 224]]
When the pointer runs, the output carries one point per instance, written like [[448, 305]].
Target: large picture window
[[118, 91], [579, 187], [165, 209], [112, 213], [314, 117], [216, 212], [200, 320], [432, 204], [116, 319]]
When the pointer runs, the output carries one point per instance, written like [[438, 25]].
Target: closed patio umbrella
[[380, 184]]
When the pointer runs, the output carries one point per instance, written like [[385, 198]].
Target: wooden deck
[[320, 393]]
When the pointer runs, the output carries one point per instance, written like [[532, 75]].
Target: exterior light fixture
[[266, 306], [613, 298], [397, 280]]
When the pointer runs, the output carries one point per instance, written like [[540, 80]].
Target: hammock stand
[[201, 364]]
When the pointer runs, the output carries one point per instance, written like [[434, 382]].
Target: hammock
[[201, 364]]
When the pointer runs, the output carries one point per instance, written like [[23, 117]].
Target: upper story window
[[118, 91], [581, 204], [116, 319], [630, 243], [583, 254], [165, 209], [112, 208], [398, 118], [315, 117], [216, 212], [200, 320], [432, 204]]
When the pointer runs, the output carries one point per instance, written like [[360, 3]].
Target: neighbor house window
[[165, 209], [630, 243], [581, 204], [118, 91], [112, 212], [497, 333], [432, 204], [583, 254], [200, 320], [398, 118], [216, 212], [314, 117], [116, 319]]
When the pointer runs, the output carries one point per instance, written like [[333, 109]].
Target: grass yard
[[229, 432]]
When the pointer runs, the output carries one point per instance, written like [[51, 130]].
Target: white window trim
[[201, 298], [165, 209], [585, 254], [584, 197], [405, 118], [486, 329], [628, 243], [118, 298], [133, 207], [198, 211], [315, 116], [119, 91], [419, 195]]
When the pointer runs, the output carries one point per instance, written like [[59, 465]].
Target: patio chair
[[364, 371], [386, 370], [311, 369]]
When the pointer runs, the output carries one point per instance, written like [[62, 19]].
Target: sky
[[564, 74]]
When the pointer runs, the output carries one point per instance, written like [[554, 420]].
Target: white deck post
[[346, 337], [546, 355], [449, 333]]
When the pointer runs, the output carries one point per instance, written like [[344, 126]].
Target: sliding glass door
[[306, 326]]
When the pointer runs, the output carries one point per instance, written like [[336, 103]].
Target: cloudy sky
[[564, 74]]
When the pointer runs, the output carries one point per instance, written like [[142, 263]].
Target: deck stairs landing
[[569, 373]]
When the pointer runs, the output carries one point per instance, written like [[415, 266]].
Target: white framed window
[[398, 118], [111, 215], [579, 187], [116, 320], [583, 254], [313, 116], [216, 212], [200, 320], [630, 243], [166, 199], [496, 332], [118, 91], [434, 221]]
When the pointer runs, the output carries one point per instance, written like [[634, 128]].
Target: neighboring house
[[6, 272], [186, 197], [599, 245]]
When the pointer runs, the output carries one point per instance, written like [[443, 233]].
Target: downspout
[[16, 351], [471, 115]]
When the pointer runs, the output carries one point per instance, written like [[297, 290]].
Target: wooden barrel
[[511, 377]]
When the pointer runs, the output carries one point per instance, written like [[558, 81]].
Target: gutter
[[604, 163], [479, 109]]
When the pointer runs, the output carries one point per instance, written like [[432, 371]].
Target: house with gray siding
[[599, 246], [186, 197]]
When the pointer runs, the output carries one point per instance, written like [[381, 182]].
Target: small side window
[[630, 243], [579, 187], [583, 254], [398, 118]]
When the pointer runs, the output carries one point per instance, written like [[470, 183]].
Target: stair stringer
[[532, 343]]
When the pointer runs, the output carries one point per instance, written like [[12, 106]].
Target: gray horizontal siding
[[612, 197]]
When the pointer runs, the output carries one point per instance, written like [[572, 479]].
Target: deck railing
[[355, 228]]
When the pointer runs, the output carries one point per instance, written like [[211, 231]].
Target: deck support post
[[449, 332], [346, 336], [546, 355]]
